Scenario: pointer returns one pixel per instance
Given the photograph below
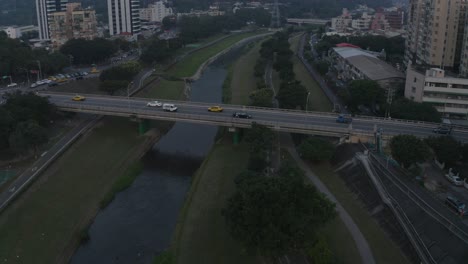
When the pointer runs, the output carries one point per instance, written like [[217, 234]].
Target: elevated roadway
[[316, 123], [311, 21]]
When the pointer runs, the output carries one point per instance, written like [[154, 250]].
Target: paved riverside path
[[361, 243]]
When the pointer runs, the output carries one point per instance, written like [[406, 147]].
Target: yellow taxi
[[215, 108], [78, 98]]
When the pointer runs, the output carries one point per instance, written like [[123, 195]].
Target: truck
[[344, 119]]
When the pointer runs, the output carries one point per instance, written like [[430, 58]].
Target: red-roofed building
[[347, 45]]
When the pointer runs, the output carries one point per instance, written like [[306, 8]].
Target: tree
[[6, 124], [89, 51], [28, 135], [292, 95], [276, 214], [112, 86], [365, 92], [446, 149], [259, 137], [320, 252], [168, 22], [407, 109], [408, 149], [124, 72], [321, 66], [262, 97], [315, 149], [23, 107]]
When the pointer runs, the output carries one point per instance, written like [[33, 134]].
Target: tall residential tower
[[44, 8], [433, 32], [124, 17]]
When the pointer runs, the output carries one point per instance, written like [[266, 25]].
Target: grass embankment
[[384, 250], [164, 89], [201, 235], [45, 224], [190, 64], [318, 101], [243, 81]]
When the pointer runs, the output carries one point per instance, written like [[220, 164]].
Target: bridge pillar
[[143, 126], [236, 135]]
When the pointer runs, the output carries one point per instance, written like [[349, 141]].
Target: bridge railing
[[213, 119], [273, 110]]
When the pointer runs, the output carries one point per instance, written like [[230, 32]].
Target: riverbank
[[204, 236], [46, 223]]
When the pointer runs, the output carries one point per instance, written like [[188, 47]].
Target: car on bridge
[[154, 103], [456, 205], [241, 115], [78, 98], [454, 177], [344, 119], [169, 107], [444, 130], [215, 108]]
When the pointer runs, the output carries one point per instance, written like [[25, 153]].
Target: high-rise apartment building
[[124, 17], [433, 27], [74, 22], [44, 8], [155, 12]]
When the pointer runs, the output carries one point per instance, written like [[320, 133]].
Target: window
[[413, 89], [415, 79]]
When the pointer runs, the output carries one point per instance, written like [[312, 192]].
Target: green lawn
[[164, 89], [190, 64], [44, 224], [244, 81], [202, 235], [341, 242], [383, 248], [318, 101]]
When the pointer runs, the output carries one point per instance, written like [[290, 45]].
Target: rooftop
[[372, 67]]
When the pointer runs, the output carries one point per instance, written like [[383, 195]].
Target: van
[[169, 107]]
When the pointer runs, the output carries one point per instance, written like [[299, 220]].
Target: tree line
[[24, 119], [276, 213], [119, 77]]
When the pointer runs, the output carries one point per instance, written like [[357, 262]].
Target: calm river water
[[140, 222]]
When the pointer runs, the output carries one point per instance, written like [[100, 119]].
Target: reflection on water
[[139, 223]]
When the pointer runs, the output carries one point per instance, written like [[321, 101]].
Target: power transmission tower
[[275, 16]]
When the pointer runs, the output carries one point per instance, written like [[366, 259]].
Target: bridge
[[363, 128], [311, 21]]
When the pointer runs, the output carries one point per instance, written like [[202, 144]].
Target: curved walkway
[[361, 243]]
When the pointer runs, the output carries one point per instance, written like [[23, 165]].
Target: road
[[197, 112]]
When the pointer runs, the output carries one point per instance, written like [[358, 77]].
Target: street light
[[128, 94], [39, 77], [307, 100]]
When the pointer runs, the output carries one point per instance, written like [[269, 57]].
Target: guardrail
[[407, 225], [210, 119], [447, 223], [271, 110]]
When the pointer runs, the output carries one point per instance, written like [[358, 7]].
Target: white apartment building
[[124, 17], [155, 12], [16, 32], [362, 23], [449, 95], [44, 8]]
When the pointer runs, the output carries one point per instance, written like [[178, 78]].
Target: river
[[140, 221]]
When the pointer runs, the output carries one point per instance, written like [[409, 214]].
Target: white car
[[38, 83], [154, 103], [456, 180], [33, 85], [12, 85], [46, 81]]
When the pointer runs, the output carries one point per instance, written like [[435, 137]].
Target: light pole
[[307, 101], [128, 94], [27, 73], [40, 70]]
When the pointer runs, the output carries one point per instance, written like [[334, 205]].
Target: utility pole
[[275, 17], [390, 93], [39, 77], [307, 101]]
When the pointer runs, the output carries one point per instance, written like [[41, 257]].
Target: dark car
[[445, 130], [53, 84], [344, 119], [241, 115], [454, 204], [79, 78]]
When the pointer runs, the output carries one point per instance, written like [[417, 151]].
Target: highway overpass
[[295, 121]]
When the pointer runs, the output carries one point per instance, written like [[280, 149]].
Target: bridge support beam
[[236, 135], [143, 126]]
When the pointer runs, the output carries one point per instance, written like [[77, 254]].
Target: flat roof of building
[[372, 67]]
